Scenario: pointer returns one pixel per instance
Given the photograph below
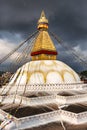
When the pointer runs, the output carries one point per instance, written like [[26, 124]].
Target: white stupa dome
[[44, 72]]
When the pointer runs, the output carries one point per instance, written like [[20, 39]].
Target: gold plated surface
[[43, 48], [43, 42], [43, 18]]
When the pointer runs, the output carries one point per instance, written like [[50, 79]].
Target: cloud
[[8, 42], [67, 18], [11, 37], [80, 53], [5, 47]]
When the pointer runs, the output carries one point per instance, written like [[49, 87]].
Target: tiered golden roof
[[43, 48], [43, 42]]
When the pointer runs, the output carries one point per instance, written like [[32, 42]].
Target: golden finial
[[42, 14], [43, 21]]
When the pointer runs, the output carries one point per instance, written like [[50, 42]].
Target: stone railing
[[45, 118], [43, 100], [27, 101], [41, 119], [2, 114], [76, 98], [82, 117], [68, 116], [72, 99], [45, 87], [37, 100], [37, 120], [58, 115]]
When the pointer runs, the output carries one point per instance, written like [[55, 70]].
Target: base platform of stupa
[[40, 108]]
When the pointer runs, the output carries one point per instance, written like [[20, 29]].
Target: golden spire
[[42, 14], [43, 48], [42, 22], [43, 18]]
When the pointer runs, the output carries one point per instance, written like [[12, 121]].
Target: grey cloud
[[67, 18]]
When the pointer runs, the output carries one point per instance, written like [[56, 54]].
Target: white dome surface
[[44, 71]]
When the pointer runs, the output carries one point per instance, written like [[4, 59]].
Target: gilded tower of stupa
[[44, 48]]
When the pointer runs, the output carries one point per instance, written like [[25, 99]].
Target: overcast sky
[[67, 19]]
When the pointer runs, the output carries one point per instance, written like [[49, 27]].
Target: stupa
[[48, 89], [44, 68]]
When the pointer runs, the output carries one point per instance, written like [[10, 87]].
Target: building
[[44, 90]]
